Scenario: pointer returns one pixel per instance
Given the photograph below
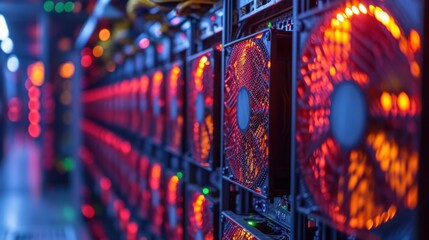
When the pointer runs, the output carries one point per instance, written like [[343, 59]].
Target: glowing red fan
[[175, 108], [157, 208], [202, 107], [256, 112], [174, 205], [358, 111], [144, 187], [157, 100], [146, 114], [200, 217], [135, 113]]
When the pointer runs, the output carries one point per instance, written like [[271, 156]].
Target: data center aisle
[[27, 212]]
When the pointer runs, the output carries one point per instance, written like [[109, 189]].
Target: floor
[[26, 210]]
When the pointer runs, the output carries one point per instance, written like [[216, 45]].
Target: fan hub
[[348, 114], [243, 109], [200, 108]]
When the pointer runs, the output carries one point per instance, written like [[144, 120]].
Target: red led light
[[105, 183], [144, 43], [86, 61], [124, 214], [88, 211], [132, 228]]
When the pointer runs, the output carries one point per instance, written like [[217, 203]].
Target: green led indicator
[[59, 7], [67, 164], [179, 175], [251, 223], [269, 24], [68, 213], [68, 6], [206, 191], [48, 6]]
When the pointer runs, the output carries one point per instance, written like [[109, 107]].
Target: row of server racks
[[262, 119]]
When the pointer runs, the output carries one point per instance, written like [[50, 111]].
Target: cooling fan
[[144, 187], [175, 107], [157, 208], [146, 114], [358, 116], [174, 208], [200, 214], [203, 91], [251, 227], [257, 112], [157, 100]]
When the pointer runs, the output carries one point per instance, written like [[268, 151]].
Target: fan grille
[[231, 230], [174, 209], [201, 98], [247, 149], [364, 184], [175, 98], [157, 207], [200, 217], [146, 114], [144, 187], [158, 103]]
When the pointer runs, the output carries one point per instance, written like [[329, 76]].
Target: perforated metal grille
[[144, 104], [246, 149], [175, 101], [200, 217], [200, 105], [362, 184], [157, 99], [157, 201], [174, 201], [145, 194], [232, 230]]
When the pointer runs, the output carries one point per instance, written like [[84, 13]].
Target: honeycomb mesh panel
[[175, 111], [200, 107], [246, 150], [360, 185]]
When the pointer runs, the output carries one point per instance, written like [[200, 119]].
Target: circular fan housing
[[200, 217], [246, 112], [358, 112], [175, 116], [200, 107], [174, 209], [144, 106], [157, 103]]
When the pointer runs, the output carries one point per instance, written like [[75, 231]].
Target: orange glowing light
[[172, 190], [386, 101], [198, 206], [36, 73], [403, 101], [67, 70], [97, 51], [104, 34], [414, 40], [155, 177]]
